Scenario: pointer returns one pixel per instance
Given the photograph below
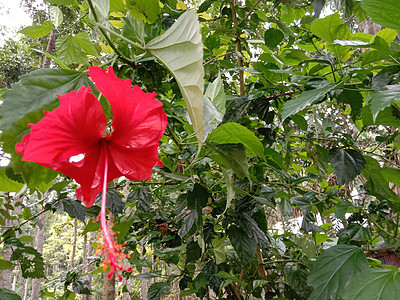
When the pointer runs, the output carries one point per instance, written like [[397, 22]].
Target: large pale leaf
[[382, 99], [346, 163], [334, 269], [384, 12], [180, 49], [306, 99], [374, 284], [56, 16], [214, 102], [234, 133]]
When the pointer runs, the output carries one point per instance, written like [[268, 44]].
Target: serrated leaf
[[147, 10], [31, 262], [7, 184], [305, 99], [158, 289], [69, 50], [101, 8], [384, 12], [8, 295], [180, 49], [374, 284], [334, 269], [37, 31], [245, 246], [114, 201], [346, 163], [72, 207], [197, 199], [234, 133], [143, 197], [83, 39], [382, 99]]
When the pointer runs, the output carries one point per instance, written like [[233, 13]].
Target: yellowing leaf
[[181, 5], [204, 15], [117, 23]]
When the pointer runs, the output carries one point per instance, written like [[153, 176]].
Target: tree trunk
[[74, 244], [109, 283], [39, 242], [50, 48], [89, 265], [26, 290]]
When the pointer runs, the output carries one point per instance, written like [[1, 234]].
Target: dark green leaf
[[193, 252], [188, 223], [346, 163], [143, 197], [5, 264], [73, 207], [232, 156], [114, 201], [8, 295], [273, 37], [200, 284], [306, 99], [31, 262], [374, 284], [333, 270], [244, 245], [354, 234], [342, 208], [197, 199], [158, 289], [204, 6]]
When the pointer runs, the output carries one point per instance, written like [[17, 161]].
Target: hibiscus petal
[[135, 164], [138, 119]]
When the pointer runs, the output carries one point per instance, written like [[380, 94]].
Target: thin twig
[[252, 9], [218, 56]]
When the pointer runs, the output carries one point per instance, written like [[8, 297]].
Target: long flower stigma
[[110, 249]]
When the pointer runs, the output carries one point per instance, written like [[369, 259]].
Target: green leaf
[[35, 92], [188, 223], [384, 12], [342, 208], [69, 50], [5, 264], [392, 175], [333, 270], [26, 239], [219, 250], [83, 39], [180, 49], [354, 234], [273, 37], [214, 102], [245, 246], [7, 184], [234, 133], [101, 8], [31, 262], [231, 156], [114, 201], [374, 284], [8, 295], [143, 197], [376, 184], [382, 99], [147, 10], [197, 199], [56, 16], [37, 31], [158, 289], [72, 207], [133, 29], [346, 163], [306, 99]]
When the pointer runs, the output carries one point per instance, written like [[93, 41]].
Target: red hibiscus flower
[[75, 140]]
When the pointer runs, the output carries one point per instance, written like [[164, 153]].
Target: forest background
[[281, 166]]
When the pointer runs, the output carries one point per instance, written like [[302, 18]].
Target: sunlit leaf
[[384, 12]]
